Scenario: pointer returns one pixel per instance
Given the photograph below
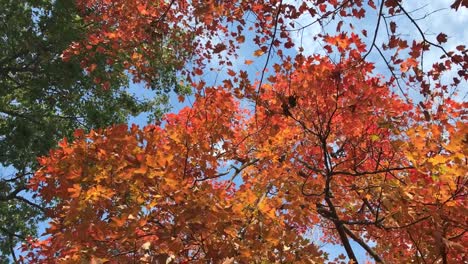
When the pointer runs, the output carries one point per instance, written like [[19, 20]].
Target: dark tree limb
[[11, 195], [24, 200], [363, 245], [376, 31], [341, 231]]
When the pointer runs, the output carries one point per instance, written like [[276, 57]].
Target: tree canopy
[[316, 142], [43, 99]]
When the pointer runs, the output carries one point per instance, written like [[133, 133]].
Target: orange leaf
[[240, 39], [75, 190], [141, 170], [142, 9], [407, 64], [258, 53]]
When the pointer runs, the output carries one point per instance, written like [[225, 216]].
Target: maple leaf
[[442, 38], [259, 53], [240, 39], [219, 48], [407, 64], [231, 72], [459, 3], [142, 9]]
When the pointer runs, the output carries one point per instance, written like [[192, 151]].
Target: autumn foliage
[[253, 168], [136, 35]]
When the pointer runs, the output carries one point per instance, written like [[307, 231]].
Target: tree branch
[[9, 233], [376, 31], [273, 38], [22, 199], [363, 245], [341, 231], [11, 195], [370, 172]]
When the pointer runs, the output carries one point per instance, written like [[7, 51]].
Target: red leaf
[[198, 71], [142, 9], [323, 8], [340, 24], [392, 27], [231, 73], [391, 3], [442, 38], [288, 44], [219, 47], [459, 3]]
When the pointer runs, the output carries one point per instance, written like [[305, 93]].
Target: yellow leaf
[[146, 245]]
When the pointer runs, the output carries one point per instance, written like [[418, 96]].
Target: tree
[[323, 149], [328, 144], [44, 99]]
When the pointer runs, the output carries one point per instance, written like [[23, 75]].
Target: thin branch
[[424, 36], [239, 170], [376, 31], [12, 250], [12, 195], [412, 11], [18, 176], [309, 194], [163, 16], [458, 235], [273, 38], [417, 247], [236, 169], [20, 115], [319, 20], [370, 172], [40, 208], [9, 233], [406, 225], [393, 74], [308, 166], [430, 13], [260, 199], [361, 222]]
